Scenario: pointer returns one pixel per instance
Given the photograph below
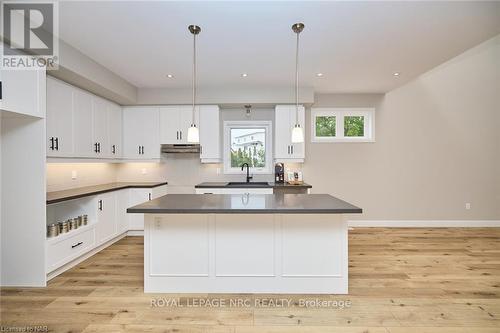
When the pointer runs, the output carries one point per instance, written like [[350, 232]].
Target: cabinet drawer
[[59, 253]]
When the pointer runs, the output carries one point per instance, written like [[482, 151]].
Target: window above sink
[[248, 142]]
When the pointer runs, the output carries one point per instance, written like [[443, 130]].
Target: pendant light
[[297, 131], [193, 132]]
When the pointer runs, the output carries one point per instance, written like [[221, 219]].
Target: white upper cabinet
[[169, 125], [174, 123], [82, 112], [114, 113], [141, 139], [59, 119], [210, 145], [24, 92], [80, 124], [100, 128], [284, 149]]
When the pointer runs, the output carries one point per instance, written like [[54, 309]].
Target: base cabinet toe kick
[[238, 253]]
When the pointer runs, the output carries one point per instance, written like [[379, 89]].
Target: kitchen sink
[[245, 184]]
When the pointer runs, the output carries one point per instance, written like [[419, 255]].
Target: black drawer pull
[[77, 244]]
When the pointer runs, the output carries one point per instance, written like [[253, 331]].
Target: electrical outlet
[[467, 205], [74, 174], [144, 171]]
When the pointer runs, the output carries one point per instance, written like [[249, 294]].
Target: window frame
[[339, 114], [230, 124]]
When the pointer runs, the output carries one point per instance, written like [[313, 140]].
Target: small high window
[[342, 125]]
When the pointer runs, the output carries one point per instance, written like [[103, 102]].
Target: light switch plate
[[74, 174]]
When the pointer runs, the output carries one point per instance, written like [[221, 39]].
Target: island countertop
[[247, 204]]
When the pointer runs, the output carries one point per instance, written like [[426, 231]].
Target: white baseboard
[[425, 223], [135, 233]]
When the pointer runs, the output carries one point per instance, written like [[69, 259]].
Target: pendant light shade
[[297, 131], [297, 134], [193, 132]]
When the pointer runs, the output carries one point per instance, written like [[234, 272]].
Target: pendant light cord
[[297, 81], [194, 75]]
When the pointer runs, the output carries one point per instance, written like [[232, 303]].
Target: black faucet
[[248, 171]]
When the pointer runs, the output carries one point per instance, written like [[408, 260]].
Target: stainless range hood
[[180, 148]]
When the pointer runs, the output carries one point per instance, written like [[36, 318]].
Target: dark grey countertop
[[80, 192], [269, 185], [248, 204]]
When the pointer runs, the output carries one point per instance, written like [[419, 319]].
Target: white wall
[[59, 175], [437, 146]]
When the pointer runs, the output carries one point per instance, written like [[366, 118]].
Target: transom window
[[247, 142], [342, 125]]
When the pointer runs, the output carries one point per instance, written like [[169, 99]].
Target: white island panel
[[306, 250], [245, 253], [180, 246], [244, 245]]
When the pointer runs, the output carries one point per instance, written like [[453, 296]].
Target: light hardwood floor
[[401, 281]]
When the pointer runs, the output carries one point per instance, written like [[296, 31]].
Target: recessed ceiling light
[[170, 76], [396, 74], [319, 74], [244, 75]]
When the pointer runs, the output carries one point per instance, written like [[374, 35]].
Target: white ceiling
[[357, 45]]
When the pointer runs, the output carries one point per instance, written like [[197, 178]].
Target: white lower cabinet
[[138, 196], [106, 217], [62, 251], [122, 203]]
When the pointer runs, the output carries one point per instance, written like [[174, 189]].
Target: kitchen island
[[254, 243]]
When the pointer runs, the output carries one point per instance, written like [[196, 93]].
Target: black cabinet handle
[[177, 135], [291, 147], [288, 150], [139, 150], [142, 150], [113, 149], [95, 147], [149, 194], [57, 143], [181, 134], [77, 244], [100, 204], [52, 143]]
